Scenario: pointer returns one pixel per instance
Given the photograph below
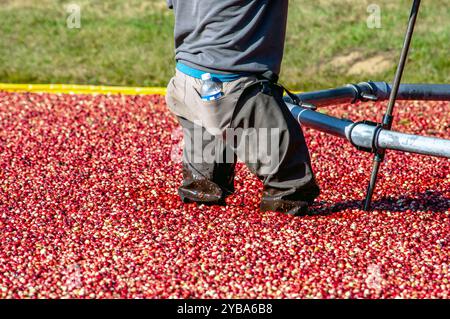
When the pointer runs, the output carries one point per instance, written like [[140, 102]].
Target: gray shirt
[[230, 36]]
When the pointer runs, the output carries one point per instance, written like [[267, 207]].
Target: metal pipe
[[363, 135], [418, 92], [345, 94], [320, 122], [413, 143], [379, 90], [388, 118]]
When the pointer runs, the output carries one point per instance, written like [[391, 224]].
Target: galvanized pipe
[[433, 146], [379, 90], [363, 135]]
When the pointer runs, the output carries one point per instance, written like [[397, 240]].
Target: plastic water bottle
[[211, 90]]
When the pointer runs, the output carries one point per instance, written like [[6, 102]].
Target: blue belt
[[195, 73]]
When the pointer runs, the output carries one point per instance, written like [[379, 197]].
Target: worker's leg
[[208, 166], [289, 183], [208, 176]]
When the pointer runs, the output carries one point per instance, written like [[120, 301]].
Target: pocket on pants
[[169, 93], [175, 96], [214, 115], [172, 101]]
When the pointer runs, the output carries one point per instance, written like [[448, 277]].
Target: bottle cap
[[206, 76]]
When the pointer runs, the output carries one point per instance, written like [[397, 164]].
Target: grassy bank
[[130, 43]]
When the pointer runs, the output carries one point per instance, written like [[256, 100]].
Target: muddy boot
[[199, 189], [294, 208], [273, 200], [284, 201]]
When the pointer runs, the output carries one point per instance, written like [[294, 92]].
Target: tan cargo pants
[[248, 105]]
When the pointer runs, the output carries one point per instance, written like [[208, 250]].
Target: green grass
[[130, 42]]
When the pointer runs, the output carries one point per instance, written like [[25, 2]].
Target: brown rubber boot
[[289, 207], [199, 189], [295, 204]]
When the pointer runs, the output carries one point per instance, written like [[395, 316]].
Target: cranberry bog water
[[89, 209]]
